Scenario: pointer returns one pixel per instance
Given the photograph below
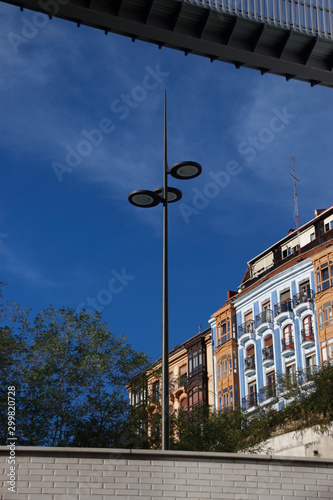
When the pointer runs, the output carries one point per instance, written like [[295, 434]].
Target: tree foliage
[[308, 402], [70, 374]]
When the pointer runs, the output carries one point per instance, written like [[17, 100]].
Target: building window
[[195, 396], [270, 389], [195, 362], [226, 365], [288, 340], [233, 327], [269, 341], [223, 331], [248, 316], [138, 397], [330, 349], [284, 296], [328, 225], [182, 375], [270, 377], [304, 287], [236, 393], [249, 361], [323, 354], [220, 328], [265, 305], [235, 361], [252, 394], [291, 371], [310, 363], [324, 276], [156, 391], [325, 315], [289, 250], [268, 352], [307, 330]]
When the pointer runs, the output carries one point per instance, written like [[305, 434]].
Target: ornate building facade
[[279, 322], [283, 311]]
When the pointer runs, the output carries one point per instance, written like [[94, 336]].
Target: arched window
[[307, 324], [267, 351], [195, 396], [250, 351], [249, 361], [307, 330], [269, 341], [288, 341], [183, 404]]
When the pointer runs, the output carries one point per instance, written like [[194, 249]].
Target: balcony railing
[[310, 16], [267, 392], [301, 297], [247, 327], [178, 383], [267, 353], [287, 344], [307, 334], [307, 374], [264, 317], [249, 363], [284, 306], [250, 401]]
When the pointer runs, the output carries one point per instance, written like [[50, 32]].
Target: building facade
[[191, 377], [283, 311], [223, 324], [279, 322]]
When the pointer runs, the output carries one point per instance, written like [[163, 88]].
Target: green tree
[[70, 378], [145, 421]]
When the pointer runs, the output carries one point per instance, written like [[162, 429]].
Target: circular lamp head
[[144, 198], [186, 170], [173, 194]]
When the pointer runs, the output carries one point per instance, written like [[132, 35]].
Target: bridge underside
[[202, 31]]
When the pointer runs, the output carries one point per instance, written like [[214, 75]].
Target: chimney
[[230, 294], [319, 211], [291, 231]]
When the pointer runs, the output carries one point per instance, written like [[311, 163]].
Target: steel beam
[[201, 31]]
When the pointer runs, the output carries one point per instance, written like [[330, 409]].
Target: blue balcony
[[267, 392], [249, 366], [264, 321], [268, 356], [246, 332], [283, 310], [307, 338], [250, 401], [303, 301], [287, 347]]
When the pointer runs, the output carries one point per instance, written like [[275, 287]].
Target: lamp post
[[147, 199]]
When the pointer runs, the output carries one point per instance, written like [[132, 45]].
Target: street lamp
[[147, 199]]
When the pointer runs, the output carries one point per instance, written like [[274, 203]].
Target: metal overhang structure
[[204, 31]]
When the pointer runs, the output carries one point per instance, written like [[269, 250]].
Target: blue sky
[[81, 126]]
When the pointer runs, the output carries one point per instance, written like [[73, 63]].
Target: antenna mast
[[296, 216]]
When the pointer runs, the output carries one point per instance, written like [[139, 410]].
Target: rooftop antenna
[[296, 216]]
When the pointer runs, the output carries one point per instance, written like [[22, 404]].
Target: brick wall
[[82, 474]]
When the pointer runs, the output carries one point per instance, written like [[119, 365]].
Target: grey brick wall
[[100, 474]]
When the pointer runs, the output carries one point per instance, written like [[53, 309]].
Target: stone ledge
[[134, 454]]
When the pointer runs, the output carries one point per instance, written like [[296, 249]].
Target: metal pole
[[165, 305]]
